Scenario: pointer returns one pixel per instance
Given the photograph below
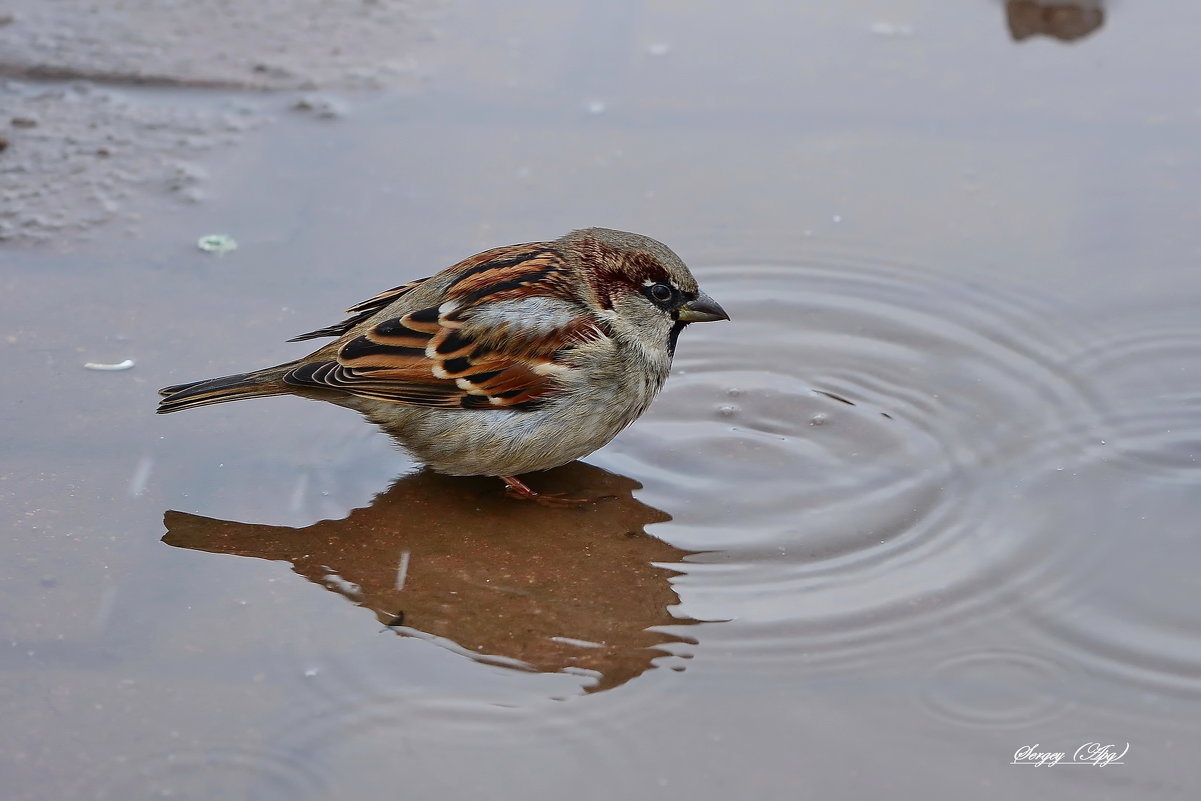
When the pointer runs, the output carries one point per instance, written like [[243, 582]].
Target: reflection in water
[[545, 589], [1066, 20]]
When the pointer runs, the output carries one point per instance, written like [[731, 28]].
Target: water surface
[[930, 497]]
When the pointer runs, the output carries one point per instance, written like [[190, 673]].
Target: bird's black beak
[[703, 309]]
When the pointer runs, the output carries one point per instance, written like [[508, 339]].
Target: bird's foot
[[516, 488]]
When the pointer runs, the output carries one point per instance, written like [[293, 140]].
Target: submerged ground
[[976, 222]]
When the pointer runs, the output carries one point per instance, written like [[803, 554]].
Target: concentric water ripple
[[234, 774], [427, 736], [849, 523], [1148, 378], [1129, 603], [998, 689]]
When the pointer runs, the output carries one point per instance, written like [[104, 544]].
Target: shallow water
[[930, 497]]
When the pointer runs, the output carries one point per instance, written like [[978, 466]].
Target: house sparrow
[[515, 360]]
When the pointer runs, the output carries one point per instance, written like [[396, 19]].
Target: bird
[[515, 360]]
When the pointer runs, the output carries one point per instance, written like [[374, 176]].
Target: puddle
[[928, 499]]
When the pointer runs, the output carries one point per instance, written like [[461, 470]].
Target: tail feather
[[259, 384]]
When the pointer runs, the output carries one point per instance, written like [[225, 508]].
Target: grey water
[[929, 499]]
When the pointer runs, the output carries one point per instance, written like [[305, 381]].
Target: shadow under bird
[[516, 360]]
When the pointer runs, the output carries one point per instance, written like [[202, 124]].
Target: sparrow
[[515, 360]]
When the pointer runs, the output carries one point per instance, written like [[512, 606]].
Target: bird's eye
[[661, 292]]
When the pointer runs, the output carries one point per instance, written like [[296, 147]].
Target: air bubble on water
[[818, 419], [310, 673], [596, 107], [658, 49], [734, 392], [727, 411], [837, 218]]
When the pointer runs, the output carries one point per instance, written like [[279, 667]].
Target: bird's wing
[[496, 340], [360, 312]]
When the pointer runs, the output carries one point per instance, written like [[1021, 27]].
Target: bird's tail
[[258, 384]]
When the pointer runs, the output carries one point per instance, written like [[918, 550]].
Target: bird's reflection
[[1066, 20], [512, 582]]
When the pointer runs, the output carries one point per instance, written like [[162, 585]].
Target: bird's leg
[[516, 488]]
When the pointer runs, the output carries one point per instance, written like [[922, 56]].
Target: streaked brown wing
[[456, 354], [360, 312]]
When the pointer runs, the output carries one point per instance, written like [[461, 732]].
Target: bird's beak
[[702, 310]]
